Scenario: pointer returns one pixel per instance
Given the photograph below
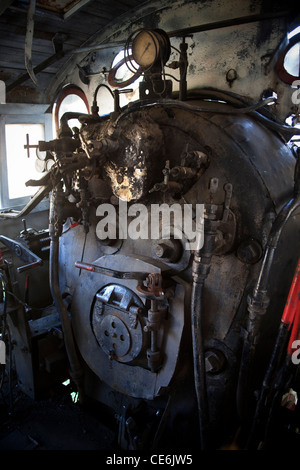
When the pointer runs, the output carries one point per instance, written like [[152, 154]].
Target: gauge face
[[41, 155], [145, 49]]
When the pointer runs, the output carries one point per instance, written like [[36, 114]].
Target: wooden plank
[[16, 21], [91, 22], [7, 30], [4, 66], [17, 55], [97, 16], [54, 59], [112, 6], [113, 9], [75, 8], [129, 3], [10, 40], [11, 66], [44, 78], [17, 46], [85, 25]]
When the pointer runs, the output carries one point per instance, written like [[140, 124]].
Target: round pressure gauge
[[41, 155], [149, 46]]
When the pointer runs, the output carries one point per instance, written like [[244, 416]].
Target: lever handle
[[140, 276], [23, 253]]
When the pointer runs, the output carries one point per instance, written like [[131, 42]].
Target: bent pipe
[[34, 201], [64, 129], [95, 108]]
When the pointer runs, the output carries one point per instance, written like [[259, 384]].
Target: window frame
[[67, 90], [282, 73], [14, 113]]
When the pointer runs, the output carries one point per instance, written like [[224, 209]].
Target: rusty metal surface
[[135, 381], [229, 275], [133, 330]]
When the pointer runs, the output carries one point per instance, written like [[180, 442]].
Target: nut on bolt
[[249, 251], [214, 361]]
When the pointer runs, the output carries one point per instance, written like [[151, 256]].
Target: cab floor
[[52, 423]]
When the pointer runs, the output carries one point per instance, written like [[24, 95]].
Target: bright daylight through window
[[20, 168]]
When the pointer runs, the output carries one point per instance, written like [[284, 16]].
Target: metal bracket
[[223, 222], [23, 253], [153, 290]]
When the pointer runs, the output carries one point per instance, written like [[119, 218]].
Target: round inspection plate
[[114, 336]]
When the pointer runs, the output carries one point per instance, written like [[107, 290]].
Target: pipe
[[199, 360], [64, 130], [228, 23], [55, 226], [95, 108], [146, 104], [229, 97], [258, 302], [281, 343], [287, 131], [42, 192]]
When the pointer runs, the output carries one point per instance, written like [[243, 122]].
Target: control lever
[[23, 253], [140, 276]]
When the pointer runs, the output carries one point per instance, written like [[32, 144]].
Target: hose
[[258, 302], [146, 104], [200, 270], [229, 97], [286, 131], [199, 360], [284, 339]]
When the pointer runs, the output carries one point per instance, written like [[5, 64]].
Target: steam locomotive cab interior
[[150, 220]]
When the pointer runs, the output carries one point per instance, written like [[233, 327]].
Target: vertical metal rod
[[183, 70], [29, 40]]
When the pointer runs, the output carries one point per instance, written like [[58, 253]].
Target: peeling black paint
[[243, 54]]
